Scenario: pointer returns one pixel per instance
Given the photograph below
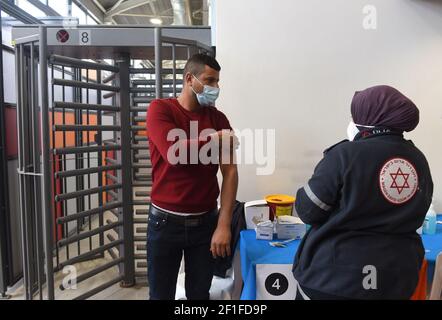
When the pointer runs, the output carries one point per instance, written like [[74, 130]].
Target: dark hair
[[195, 65]]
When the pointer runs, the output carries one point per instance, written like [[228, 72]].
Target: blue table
[[255, 252]]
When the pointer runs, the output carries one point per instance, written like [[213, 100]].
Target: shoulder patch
[[335, 145], [398, 180]]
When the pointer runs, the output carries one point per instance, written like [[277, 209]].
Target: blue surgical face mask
[[208, 96]]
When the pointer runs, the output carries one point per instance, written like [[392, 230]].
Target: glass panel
[[30, 8], [78, 13], [61, 6], [90, 20]]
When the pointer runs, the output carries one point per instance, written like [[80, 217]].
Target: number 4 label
[[85, 37], [276, 285]]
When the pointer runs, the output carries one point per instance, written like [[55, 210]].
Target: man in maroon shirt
[[184, 215]]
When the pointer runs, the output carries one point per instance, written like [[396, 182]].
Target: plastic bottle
[[429, 226]]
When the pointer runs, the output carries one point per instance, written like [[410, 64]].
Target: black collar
[[377, 131]]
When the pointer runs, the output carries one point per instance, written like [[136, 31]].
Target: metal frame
[[45, 166], [5, 252], [16, 12]]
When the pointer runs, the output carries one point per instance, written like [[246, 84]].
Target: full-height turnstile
[[84, 163]]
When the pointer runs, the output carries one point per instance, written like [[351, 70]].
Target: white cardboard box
[[289, 227], [255, 212], [264, 230]]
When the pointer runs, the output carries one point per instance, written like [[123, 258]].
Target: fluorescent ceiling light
[[156, 21]]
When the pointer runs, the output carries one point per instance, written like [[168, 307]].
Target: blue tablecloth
[[255, 252]]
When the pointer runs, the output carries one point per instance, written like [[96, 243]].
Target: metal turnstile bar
[[142, 183], [110, 78], [76, 194], [115, 213], [90, 253], [100, 288], [77, 63], [138, 109], [84, 85], [141, 247], [139, 147], [112, 239], [143, 99], [141, 212], [95, 271], [140, 138], [86, 128], [141, 202], [138, 128], [140, 221], [142, 193], [113, 194], [83, 106], [88, 234], [142, 156], [185, 42], [109, 95], [74, 150], [152, 82], [110, 160], [111, 177], [141, 274], [73, 173], [88, 213], [150, 90], [141, 166], [152, 71], [113, 255]]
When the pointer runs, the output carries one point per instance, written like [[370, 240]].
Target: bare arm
[[222, 236]]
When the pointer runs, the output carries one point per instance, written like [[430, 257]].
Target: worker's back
[[367, 247]]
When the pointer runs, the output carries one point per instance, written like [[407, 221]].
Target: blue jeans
[[166, 242]]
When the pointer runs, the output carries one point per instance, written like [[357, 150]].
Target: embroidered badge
[[398, 180]]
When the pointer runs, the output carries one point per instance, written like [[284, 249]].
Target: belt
[[188, 221]]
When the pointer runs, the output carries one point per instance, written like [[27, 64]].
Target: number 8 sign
[[85, 37], [275, 282]]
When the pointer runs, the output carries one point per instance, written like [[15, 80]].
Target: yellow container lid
[[280, 199]]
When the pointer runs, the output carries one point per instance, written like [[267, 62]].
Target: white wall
[[294, 65]]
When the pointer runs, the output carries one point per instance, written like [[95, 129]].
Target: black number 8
[[85, 37]]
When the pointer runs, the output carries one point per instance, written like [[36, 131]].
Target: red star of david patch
[[398, 180], [395, 177]]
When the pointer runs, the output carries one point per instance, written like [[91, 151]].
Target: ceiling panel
[[163, 9]]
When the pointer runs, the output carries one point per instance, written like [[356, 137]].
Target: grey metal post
[[99, 141], [158, 64], [34, 110], [127, 248], [47, 172], [21, 167], [5, 260], [174, 69]]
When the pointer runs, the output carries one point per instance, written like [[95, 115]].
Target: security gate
[[84, 163]]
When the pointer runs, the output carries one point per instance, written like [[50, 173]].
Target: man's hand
[[226, 139], [220, 246]]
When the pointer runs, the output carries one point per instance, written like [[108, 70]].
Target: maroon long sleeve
[[188, 187]]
